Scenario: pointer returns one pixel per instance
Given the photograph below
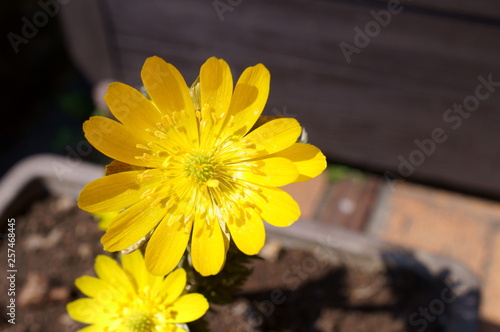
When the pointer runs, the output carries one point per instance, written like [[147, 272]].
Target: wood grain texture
[[461, 9], [88, 35], [366, 113]]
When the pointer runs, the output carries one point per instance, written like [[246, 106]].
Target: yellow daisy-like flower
[[195, 163], [130, 299]]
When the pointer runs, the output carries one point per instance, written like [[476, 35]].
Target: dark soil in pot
[[290, 290]]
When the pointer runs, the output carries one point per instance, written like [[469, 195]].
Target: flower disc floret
[[200, 167], [139, 323]]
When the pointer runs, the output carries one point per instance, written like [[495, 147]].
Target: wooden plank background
[[365, 113]]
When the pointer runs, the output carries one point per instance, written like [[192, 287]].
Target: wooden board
[[478, 10], [365, 113]]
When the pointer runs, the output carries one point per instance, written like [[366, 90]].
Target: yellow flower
[[193, 164], [130, 299]]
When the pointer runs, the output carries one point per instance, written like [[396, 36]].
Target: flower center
[[140, 323], [201, 167]]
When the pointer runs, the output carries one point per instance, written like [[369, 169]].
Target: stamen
[[168, 120], [213, 183], [145, 157], [159, 125], [160, 135]]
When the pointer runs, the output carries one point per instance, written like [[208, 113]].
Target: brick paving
[[458, 226], [435, 221], [491, 295]]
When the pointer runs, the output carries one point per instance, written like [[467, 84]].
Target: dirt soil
[[289, 291]]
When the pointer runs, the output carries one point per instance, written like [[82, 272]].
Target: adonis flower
[[130, 299], [195, 164]]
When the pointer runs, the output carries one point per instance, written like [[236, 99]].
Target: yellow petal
[[105, 219], [169, 92], [267, 172], [133, 224], [194, 91], [247, 231], [134, 264], [274, 205], [274, 136], [97, 288], [249, 98], [172, 286], [108, 270], [265, 119], [85, 310], [188, 308], [167, 244], [308, 159], [216, 85], [112, 193], [208, 249], [131, 107], [117, 141]]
